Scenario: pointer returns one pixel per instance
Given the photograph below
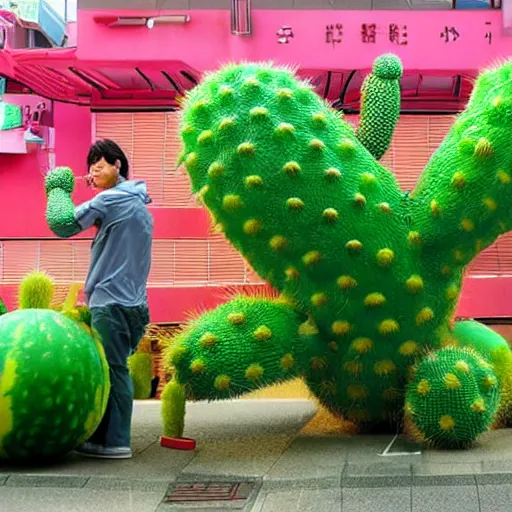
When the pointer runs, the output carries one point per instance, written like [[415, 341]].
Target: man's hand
[[60, 177]]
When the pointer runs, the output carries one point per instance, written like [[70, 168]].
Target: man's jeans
[[121, 329]]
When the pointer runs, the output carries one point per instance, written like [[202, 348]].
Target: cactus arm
[[61, 215], [461, 202], [243, 345], [380, 105], [459, 391]]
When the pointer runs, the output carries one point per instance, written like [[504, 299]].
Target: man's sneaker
[[104, 452]]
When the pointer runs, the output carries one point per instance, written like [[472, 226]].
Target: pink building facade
[[123, 79]]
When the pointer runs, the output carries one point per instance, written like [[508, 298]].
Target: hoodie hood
[[136, 188]]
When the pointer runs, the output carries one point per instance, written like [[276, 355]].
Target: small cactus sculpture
[[369, 275]]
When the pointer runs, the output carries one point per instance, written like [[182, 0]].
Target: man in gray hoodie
[[115, 287]]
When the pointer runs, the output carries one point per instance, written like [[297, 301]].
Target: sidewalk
[[258, 453]]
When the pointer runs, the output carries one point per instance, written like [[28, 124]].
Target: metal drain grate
[[207, 492]]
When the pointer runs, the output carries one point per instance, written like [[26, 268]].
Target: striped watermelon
[[54, 384]]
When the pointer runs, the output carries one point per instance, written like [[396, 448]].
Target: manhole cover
[[209, 492]]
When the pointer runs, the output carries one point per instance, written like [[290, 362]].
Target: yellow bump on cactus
[[222, 383], [483, 148], [204, 190], [226, 90], [359, 199], [308, 328], [414, 238], [414, 284], [191, 161], [357, 391], [354, 246], [353, 367], [458, 255], [205, 136], [346, 148], [311, 257], [458, 180], [333, 173], [237, 318], [188, 129], [262, 333], [446, 422], [385, 257], [479, 245], [384, 207], [362, 345], [490, 203], [251, 82], [340, 327], [346, 282], [215, 170], [408, 348], [278, 242], [200, 105], [423, 387], [425, 315], [374, 299], [478, 405], [333, 346], [490, 381], [467, 225], [319, 119], [388, 326], [317, 363], [252, 226], [292, 273], [231, 202], [291, 168], [227, 122], [451, 381], [254, 372], [452, 292], [285, 94], [368, 179], [316, 144], [328, 386], [208, 339], [503, 177], [384, 367], [284, 129], [446, 270], [253, 181], [258, 112], [176, 353], [287, 362], [330, 214], [246, 148], [462, 366], [197, 366], [295, 203], [434, 208], [319, 299]]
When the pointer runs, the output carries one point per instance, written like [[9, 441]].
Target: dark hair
[[111, 152]]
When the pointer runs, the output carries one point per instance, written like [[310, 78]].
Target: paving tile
[[378, 469], [76, 500], [430, 468], [494, 479], [367, 482], [373, 500], [65, 481], [443, 480], [310, 458], [304, 500], [495, 498], [123, 484], [463, 498]]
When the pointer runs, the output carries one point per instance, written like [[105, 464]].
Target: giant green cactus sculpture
[[369, 275]]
